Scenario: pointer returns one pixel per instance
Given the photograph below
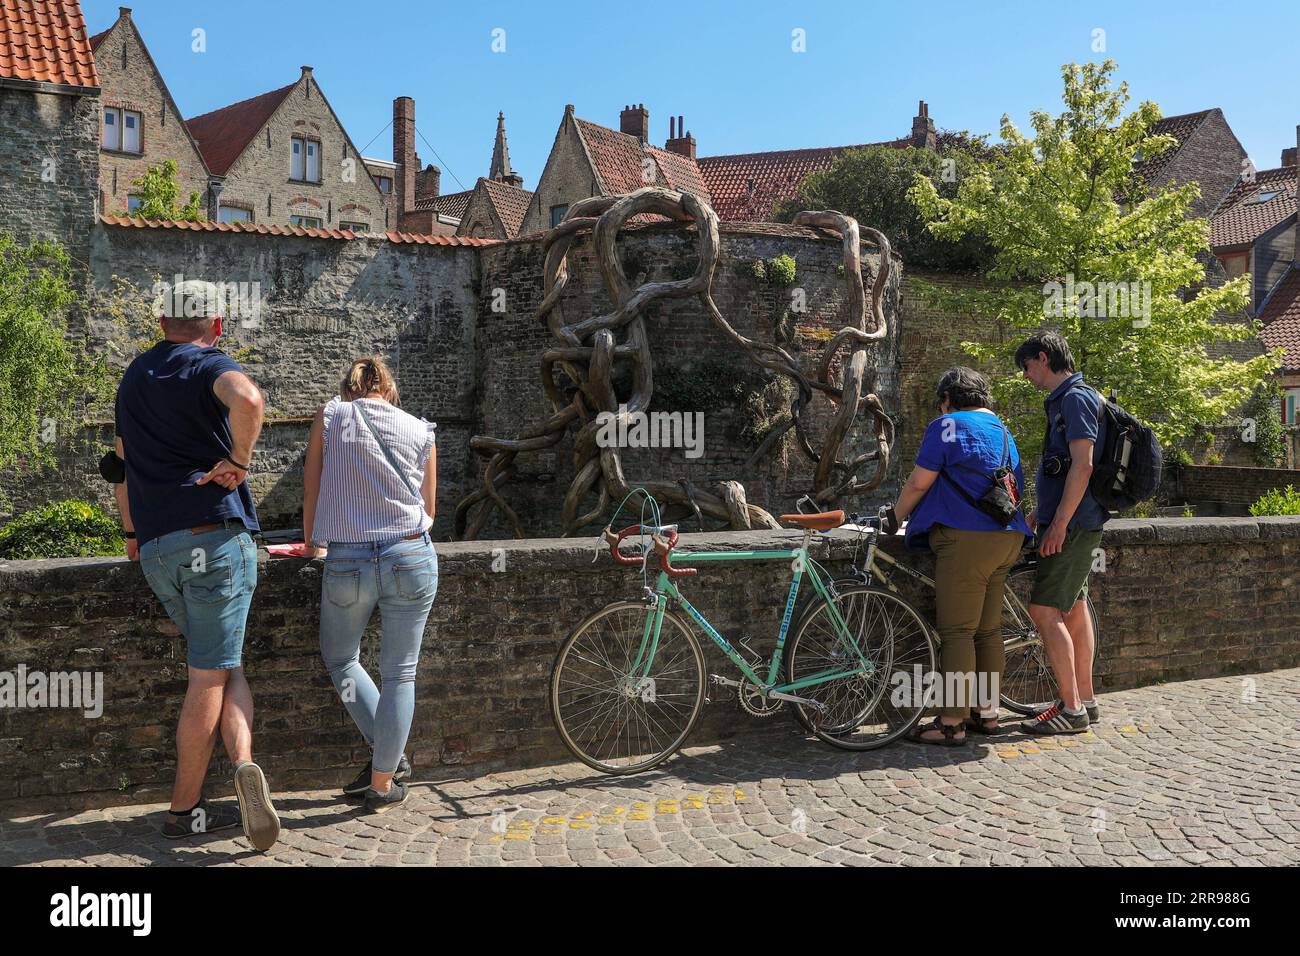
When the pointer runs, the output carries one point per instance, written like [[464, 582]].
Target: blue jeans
[[400, 576], [205, 583]]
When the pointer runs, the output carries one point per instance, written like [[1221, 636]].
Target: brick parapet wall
[[1179, 599]]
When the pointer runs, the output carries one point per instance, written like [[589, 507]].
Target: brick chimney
[[923, 132], [1289, 154], [124, 13], [404, 156], [682, 143], [428, 182], [635, 121]]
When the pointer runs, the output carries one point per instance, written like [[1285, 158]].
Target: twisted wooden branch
[[591, 348]]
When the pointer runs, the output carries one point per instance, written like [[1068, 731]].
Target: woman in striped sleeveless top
[[369, 484]]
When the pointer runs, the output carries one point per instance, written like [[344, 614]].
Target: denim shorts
[[205, 583]]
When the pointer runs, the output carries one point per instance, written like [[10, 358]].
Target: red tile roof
[[45, 41], [1281, 318], [510, 202], [1240, 220], [223, 134], [746, 186], [209, 226], [619, 159]]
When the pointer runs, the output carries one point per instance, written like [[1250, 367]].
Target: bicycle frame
[[871, 567], [665, 591]]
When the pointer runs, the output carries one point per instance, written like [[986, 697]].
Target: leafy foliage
[[44, 376], [1063, 205], [63, 529], [1285, 501], [782, 270], [159, 192], [1270, 447], [871, 185]]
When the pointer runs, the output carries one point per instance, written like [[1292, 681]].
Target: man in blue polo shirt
[[1068, 520], [187, 419]]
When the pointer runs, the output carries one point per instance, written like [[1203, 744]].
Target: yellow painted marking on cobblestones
[[1008, 753], [1030, 750], [587, 819]]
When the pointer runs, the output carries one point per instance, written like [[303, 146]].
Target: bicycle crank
[[754, 702]]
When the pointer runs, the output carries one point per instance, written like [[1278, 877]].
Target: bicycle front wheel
[[870, 710], [1028, 683], [612, 719]]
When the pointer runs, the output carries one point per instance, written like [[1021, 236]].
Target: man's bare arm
[[237, 392], [124, 505]]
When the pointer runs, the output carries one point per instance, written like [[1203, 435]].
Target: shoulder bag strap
[[383, 447]]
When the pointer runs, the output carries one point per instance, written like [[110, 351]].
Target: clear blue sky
[[726, 65]]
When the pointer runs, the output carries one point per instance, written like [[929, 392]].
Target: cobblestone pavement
[[1198, 772]]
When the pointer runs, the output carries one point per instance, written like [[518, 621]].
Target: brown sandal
[[980, 725], [949, 731]]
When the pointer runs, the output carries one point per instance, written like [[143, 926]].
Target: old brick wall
[[685, 342], [1179, 600], [49, 158], [1233, 487], [259, 178], [131, 82], [322, 303]]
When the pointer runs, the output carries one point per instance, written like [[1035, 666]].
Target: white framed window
[[234, 214], [307, 222], [357, 227], [1291, 406], [130, 132], [121, 130], [304, 160]]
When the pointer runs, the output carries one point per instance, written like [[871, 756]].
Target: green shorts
[[1062, 579]]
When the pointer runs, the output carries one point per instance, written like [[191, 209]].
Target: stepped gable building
[[49, 111], [287, 160], [140, 125]]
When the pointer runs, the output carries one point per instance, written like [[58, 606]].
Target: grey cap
[[193, 299]]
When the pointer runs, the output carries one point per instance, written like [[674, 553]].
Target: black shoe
[[1054, 720], [261, 823], [205, 818], [1093, 710], [377, 802], [359, 786]]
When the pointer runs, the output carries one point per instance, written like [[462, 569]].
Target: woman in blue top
[[961, 451]]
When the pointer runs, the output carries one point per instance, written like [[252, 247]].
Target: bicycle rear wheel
[[1027, 680], [614, 721], [865, 711]]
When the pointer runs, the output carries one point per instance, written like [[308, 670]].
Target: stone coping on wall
[[576, 554]]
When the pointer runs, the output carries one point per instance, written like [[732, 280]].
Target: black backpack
[[1128, 469]]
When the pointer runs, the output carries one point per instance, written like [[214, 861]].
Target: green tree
[[45, 379], [1064, 208], [871, 185], [159, 192]]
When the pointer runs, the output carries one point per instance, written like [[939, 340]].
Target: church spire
[[501, 170]]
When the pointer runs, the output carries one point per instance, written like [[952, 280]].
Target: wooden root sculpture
[[589, 350]]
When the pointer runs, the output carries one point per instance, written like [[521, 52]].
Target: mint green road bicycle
[[628, 685]]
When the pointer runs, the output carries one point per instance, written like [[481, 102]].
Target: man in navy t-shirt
[[187, 419], [1069, 521]]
